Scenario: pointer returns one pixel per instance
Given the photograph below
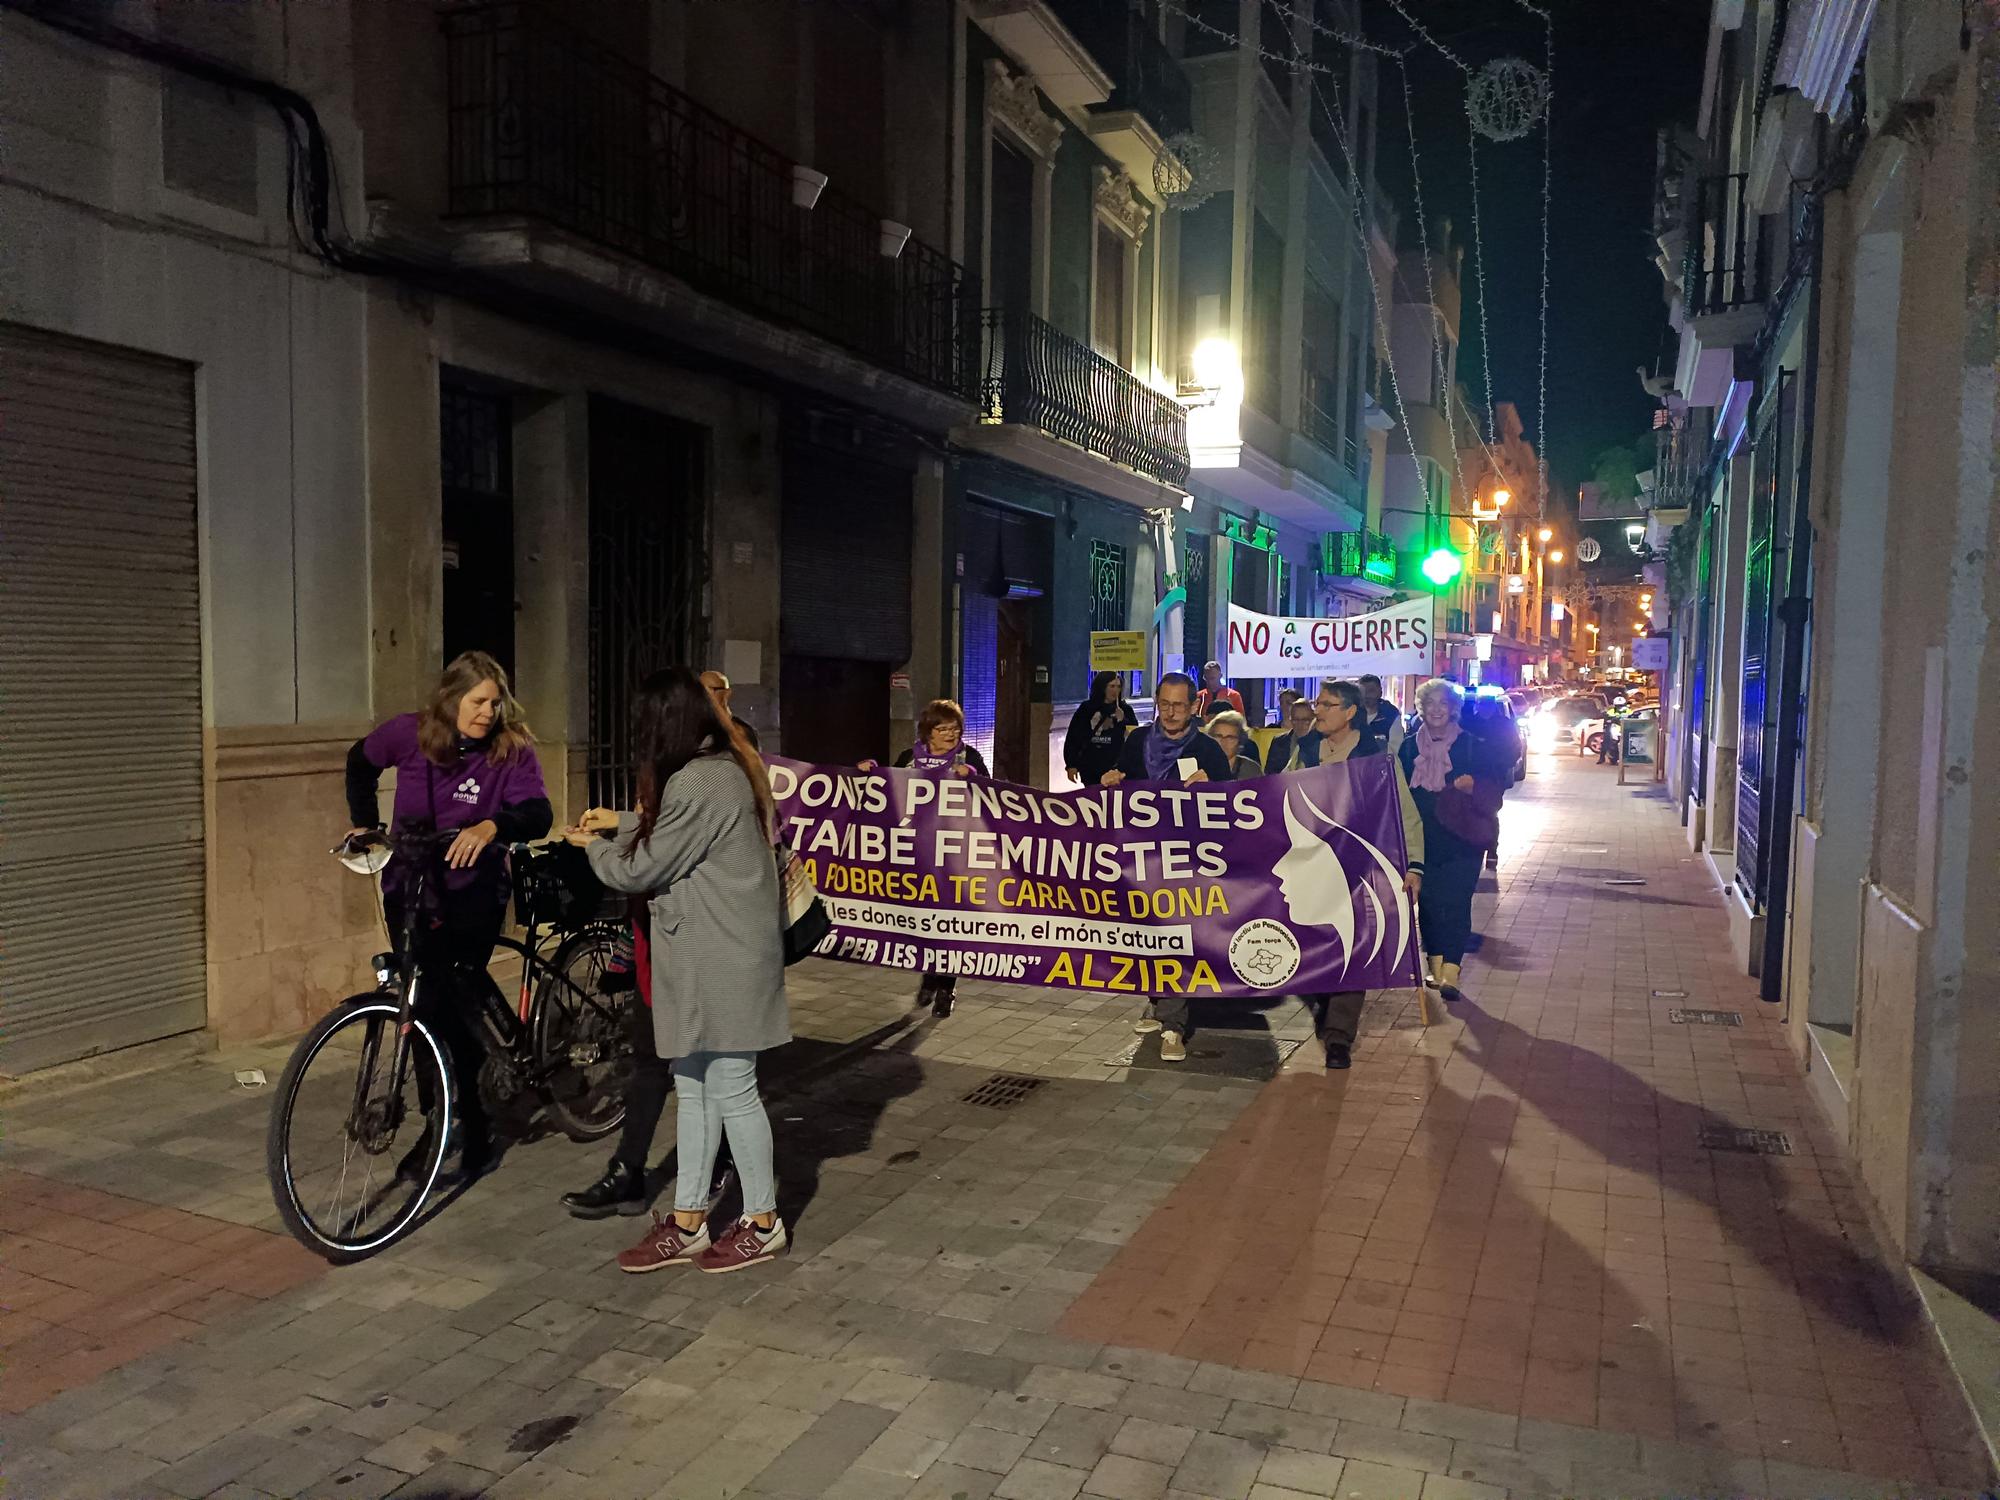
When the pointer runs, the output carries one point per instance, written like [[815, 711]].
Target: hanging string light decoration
[[1187, 171], [1506, 98]]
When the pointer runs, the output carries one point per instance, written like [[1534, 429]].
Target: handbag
[[1472, 816], [804, 915]]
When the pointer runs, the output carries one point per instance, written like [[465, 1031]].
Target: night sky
[[1622, 69]]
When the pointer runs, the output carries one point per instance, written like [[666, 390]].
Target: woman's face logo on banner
[[1316, 888]]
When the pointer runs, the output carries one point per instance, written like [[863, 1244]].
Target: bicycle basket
[[554, 887]]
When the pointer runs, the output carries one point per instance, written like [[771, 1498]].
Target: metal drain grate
[[1003, 1091], [1740, 1138], [1679, 1017]]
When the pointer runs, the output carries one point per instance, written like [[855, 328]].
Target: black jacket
[[1096, 735], [1207, 754], [1471, 755], [1280, 758]]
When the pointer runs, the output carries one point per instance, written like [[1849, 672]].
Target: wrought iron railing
[[1145, 76], [549, 124], [1728, 265], [1040, 377], [1680, 461], [1358, 554], [1319, 401]]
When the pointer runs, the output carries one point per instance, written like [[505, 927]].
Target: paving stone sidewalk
[[960, 1318]]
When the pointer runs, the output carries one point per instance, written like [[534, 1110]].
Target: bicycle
[[375, 1065]]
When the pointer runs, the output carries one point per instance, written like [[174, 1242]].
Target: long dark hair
[[675, 720], [1100, 688]]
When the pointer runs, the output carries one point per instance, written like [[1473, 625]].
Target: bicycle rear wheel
[[583, 1037], [352, 1151]]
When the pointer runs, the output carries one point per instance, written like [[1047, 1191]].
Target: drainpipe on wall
[[1796, 611]]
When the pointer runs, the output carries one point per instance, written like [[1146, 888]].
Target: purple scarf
[[1433, 768], [922, 758], [1161, 752]]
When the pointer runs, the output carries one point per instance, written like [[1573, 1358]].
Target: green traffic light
[[1442, 566]]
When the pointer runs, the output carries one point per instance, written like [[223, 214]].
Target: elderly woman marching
[[1457, 789], [1342, 731]]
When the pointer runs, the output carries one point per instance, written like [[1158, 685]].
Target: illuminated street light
[[1215, 363], [1442, 566], [1546, 534], [1556, 556], [1501, 497]]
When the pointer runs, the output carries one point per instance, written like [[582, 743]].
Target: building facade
[[866, 353], [1829, 228]]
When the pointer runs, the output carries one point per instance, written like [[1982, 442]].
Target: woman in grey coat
[[700, 847]]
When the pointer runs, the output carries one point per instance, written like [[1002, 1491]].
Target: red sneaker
[[744, 1245], [666, 1244]]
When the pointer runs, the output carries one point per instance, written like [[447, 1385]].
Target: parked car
[[1591, 731], [1555, 724]]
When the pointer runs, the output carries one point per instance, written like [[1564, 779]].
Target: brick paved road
[[1492, 1259]]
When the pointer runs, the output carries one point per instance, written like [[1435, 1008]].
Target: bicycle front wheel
[[355, 1144]]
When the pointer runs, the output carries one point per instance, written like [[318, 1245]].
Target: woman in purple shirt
[[465, 762]]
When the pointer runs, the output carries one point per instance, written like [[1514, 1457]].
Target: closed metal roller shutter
[[101, 866]]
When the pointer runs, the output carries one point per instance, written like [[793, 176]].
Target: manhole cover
[[1003, 1091], [1741, 1138], [1680, 1017]]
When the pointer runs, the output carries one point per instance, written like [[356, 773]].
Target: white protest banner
[[1392, 642]]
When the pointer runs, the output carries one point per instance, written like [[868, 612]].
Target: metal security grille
[[1003, 1091], [475, 460], [102, 894], [1110, 586], [1195, 642], [1744, 1139], [1705, 1017], [648, 574]]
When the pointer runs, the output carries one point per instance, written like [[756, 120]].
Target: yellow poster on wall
[[1118, 651]]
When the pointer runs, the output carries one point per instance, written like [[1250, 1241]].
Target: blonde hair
[[1229, 716], [437, 724], [1442, 687]]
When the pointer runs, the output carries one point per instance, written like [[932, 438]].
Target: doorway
[[1014, 670], [648, 572], [475, 452]]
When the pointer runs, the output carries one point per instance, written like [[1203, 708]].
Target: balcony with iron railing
[[1039, 377], [1145, 76], [1367, 555], [1680, 466], [549, 126], [1727, 265]]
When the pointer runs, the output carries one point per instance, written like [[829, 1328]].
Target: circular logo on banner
[[1589, 549], [1264, 953]]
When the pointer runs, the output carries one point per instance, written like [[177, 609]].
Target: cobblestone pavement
[[1493, 1259]]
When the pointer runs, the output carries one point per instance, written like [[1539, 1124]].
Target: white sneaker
[[1172, 1047], [1145, 1026]]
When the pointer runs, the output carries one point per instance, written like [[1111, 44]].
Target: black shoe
[[417, 1159], [621, 1190], [942, 1001], [1339, 1055], [476, 1157], [1452, 994]]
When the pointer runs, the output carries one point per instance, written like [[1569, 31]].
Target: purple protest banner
[[1289, 884]]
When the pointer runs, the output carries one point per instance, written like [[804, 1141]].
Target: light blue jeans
[[718, 1091]]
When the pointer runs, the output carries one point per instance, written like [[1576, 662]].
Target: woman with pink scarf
[[1450, 770]]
